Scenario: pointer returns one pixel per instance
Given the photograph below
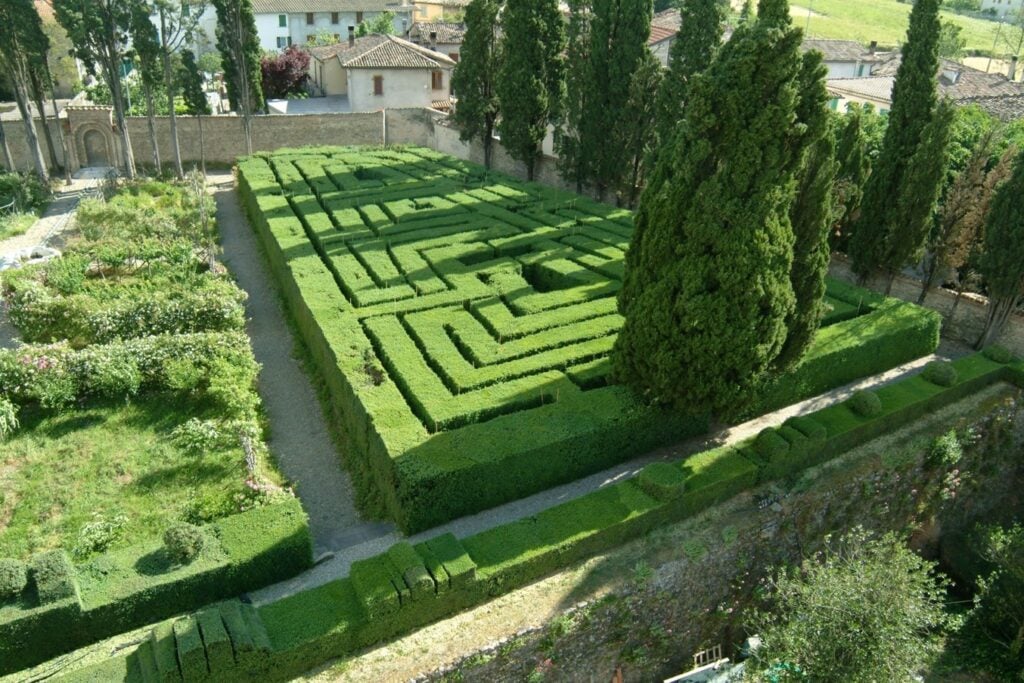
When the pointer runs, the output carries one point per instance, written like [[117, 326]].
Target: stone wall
[[971, 313], [17, 141]]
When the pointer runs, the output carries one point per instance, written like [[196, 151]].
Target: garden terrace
[[462, 322]]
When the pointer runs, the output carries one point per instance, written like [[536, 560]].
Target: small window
[[359, 17], [334, 17], [282, 42], [437, 80], [309, 18], [282, 20], [378, 85]]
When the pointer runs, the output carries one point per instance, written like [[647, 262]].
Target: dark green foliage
[[661, 480], [54, 576], [189, 644], [940, 372], [475, 76], [13, 578], [1002, 262], [707, 287], [999, 354], [891, 215], [239, 45], [574, 157], [531, 82], [770, 444], [219, 654], [146, 52], [183, 542], [699, 38], [865, 403], [852, 174], [946, 450], [640, 139], [190, 79]]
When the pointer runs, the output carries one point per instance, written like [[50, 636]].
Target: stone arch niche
[[95, 146], [92, 136]]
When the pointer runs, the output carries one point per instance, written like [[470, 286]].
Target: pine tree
[[473, 81], [1002, 263], [531, 83], [23, 47], [707, 289], [146, 45], [190, 78], [239, 45], [880, 230], [696, 43], [98, 29], [962, 217]]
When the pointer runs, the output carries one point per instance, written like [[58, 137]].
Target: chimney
[[873, 47], [433, 40], [351, 36], [1013, 68]]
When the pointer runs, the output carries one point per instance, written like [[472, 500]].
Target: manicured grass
[[882, 20], [61, 472]]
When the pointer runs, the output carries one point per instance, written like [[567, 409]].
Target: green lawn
[[882, 20], [16, 224], [95, 463]]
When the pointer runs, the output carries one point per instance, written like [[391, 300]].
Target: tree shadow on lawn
[[184, 474]]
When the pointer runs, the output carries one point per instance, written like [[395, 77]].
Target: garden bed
[[462, 323]]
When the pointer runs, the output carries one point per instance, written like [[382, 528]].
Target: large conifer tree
[[1002, 263], [574, 158], [531, 83], [707, 288], [882, 226], [473, 81], [239, 46], [146, 45]]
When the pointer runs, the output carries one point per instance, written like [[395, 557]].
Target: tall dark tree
[[473, 82], [852, 174], [638, 141], [575, 159], [882, 226], [531, 84], [239, 46], [1002, 262], [707, 288], [99, 30], [190, 79], [22, 49], [700, 36], [146, 46], [177, 23]]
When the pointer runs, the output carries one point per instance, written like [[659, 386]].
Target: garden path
[[299, 438]]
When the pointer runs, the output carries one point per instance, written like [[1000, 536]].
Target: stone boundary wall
[[17, 142], [971, 313]]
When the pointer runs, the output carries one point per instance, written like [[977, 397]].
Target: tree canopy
[[475, 76]]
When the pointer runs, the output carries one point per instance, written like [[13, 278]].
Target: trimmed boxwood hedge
[[124, 589], [437, 442], [376, 601]]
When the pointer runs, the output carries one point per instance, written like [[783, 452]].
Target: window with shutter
[[378, 85]]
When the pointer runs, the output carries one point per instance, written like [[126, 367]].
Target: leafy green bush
[[8, 418], [998, 354], [183, 542], [198, 436], [940, 372], [946, 450], [54, 576], [25, 189], [865, 403], [97, 535], [13, 578]]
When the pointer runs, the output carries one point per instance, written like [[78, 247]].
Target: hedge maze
[[462, 322]]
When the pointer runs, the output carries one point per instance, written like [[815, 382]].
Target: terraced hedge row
[[66, 606], [462, 323], [411, 585]]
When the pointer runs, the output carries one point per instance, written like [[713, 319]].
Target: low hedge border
[[378, 600], [67, 606], [424, 479]]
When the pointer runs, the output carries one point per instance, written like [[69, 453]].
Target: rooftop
[[842, 50], [447, 32], [382, 52], [660, 33], [669, 18], [877, 88], [959, 82]]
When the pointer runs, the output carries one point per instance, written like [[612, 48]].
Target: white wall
[[402, 88], [848, 69], [660, 51], [300, 30], [269, 29]]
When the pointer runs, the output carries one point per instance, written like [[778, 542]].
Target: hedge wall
[[67, 606], [461, 322], [409, 586]]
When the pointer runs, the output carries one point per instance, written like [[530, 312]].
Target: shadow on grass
[[190, 472]]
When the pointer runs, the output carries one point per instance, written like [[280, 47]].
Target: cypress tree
[[918, 196], [639, 139], [190, 79], [574, 160], [707, 289], [1002, 263], [531, 84], [854, 168], [239, 47], [699, 37], [880, 229], [473, 81], [146, 45]]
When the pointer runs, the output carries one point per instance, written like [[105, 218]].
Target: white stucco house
[[377, 72]]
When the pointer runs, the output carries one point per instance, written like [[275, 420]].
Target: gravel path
[[338, 566], [298, 434]]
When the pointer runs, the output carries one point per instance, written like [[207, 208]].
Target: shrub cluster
[[940, 372], [13, 578], [865, 403], [183, 542]]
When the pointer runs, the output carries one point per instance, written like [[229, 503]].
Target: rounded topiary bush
[[940, 372], [998, 354], [865, 403], [13, 578], [183, 542]]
